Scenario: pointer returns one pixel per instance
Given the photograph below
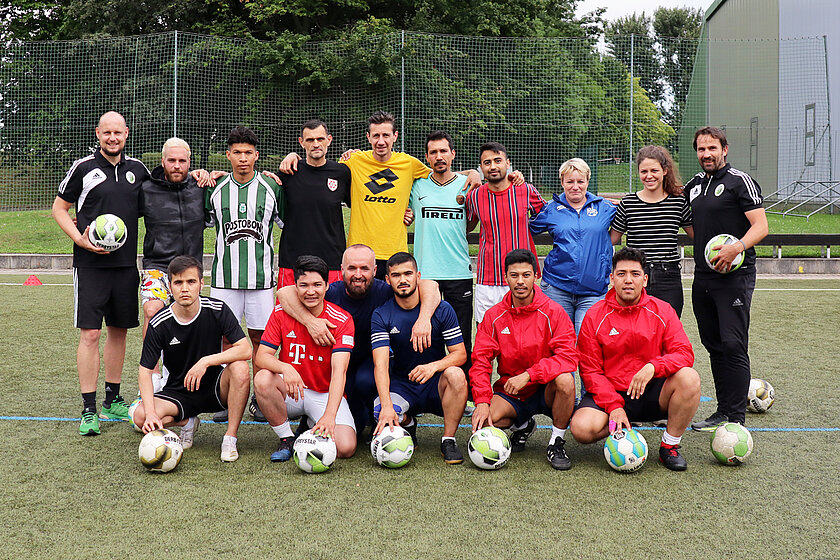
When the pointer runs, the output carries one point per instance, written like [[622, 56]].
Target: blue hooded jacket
[[581, 258]]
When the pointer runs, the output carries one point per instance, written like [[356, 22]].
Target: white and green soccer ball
[[392, 448], [761, 396], [313, 452], [160, 450], [723, 239], [131, 408], [108, 232], [732, 443], [489, 448], [626, 450]]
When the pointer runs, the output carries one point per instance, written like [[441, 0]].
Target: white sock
[[283, 430], [190, 423], [444, 438], [229, 439], [556, 433], [669, 439]]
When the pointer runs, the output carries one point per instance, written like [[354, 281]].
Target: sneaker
[[412, 431], [518, 438], [710, 424], [661, 423], [89, 425], [669, 455], [117, 410], [188, 433], [254, 409], [284, 452], [556, 455], [469, 409], [221, 416], [451, 454], [229, 451]]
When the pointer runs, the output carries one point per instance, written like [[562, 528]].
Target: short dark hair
[[439, 135], [182, 263], [381, 117], [629, 254], [313, 124], [520, 256], [311, 263], [492, 147], [712, 131], [242, 135], [400, 258]]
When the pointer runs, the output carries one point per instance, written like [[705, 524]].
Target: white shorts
[[255, 305], [154, 285], [486, 297], [314, 404]]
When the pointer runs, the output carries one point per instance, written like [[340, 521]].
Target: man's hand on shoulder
[[517, 178], [346, 155], [319, 330], [203, 178], [289, 164]]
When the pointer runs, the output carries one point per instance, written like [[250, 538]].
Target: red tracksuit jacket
[[615, 342], [539, 338]]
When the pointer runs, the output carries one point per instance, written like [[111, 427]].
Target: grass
[[65, 496], [36, 232]]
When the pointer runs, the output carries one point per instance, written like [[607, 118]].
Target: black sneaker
[[669, 455], [254, 409], [451, 454], [518, 438], [303, 425], [284, 452], [556, 455], [412, 431], [711, 423], [221, 416]]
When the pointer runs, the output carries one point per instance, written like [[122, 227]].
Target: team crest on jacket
[[718, 190], [332, 184], [236, 230], [591, 211], [129, 176]]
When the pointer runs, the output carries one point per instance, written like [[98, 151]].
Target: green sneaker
[[90, 423], [117, 411]]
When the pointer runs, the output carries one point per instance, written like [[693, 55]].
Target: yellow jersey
[[379, 194]]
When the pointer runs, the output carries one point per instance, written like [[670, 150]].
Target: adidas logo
[[395, 330], [505, 330], [291, 334], [737, 303], [174, 341], [613, 332]]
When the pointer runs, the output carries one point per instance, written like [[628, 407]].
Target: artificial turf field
[[64, 496]]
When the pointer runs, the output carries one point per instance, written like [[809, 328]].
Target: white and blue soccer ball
[[489, 448], [160, 451], [313, 452], [626, 450], [392, 448], [108, 232]]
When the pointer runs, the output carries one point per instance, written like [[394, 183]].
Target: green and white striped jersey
[[242, 214]]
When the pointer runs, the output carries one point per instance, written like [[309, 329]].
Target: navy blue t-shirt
[[391, 326], [361, 311]]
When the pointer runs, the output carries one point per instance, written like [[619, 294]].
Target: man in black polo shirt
[[314, 223], [105, 283], [724, 200]]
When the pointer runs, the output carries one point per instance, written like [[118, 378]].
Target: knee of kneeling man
[[565, 382]]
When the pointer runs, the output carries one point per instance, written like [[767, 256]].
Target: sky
[[619, 8]]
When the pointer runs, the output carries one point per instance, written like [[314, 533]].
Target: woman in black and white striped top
[[651, 218]]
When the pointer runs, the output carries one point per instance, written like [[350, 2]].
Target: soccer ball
[[723, 239], [137, 402], [160, 450], [489, 448], [761, 396], [108, 232], [626, 450], [732, 443], [392, 448], [313, 452]]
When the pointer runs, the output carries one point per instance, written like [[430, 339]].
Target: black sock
[[89, 400], [112, 390]]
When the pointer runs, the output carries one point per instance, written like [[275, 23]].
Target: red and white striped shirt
[[504, 226]]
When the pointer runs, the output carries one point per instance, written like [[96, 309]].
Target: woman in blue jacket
[[576, 271]]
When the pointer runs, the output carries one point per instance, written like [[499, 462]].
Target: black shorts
[[208, 397], [644, 409], [535, 404], [106, 293]]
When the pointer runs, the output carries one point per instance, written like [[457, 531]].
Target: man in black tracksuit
[[724, 200]]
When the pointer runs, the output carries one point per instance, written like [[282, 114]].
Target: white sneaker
[[229, 451], [187, 433]]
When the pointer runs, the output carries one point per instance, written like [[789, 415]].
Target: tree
[[633, 36], [677, 31]]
